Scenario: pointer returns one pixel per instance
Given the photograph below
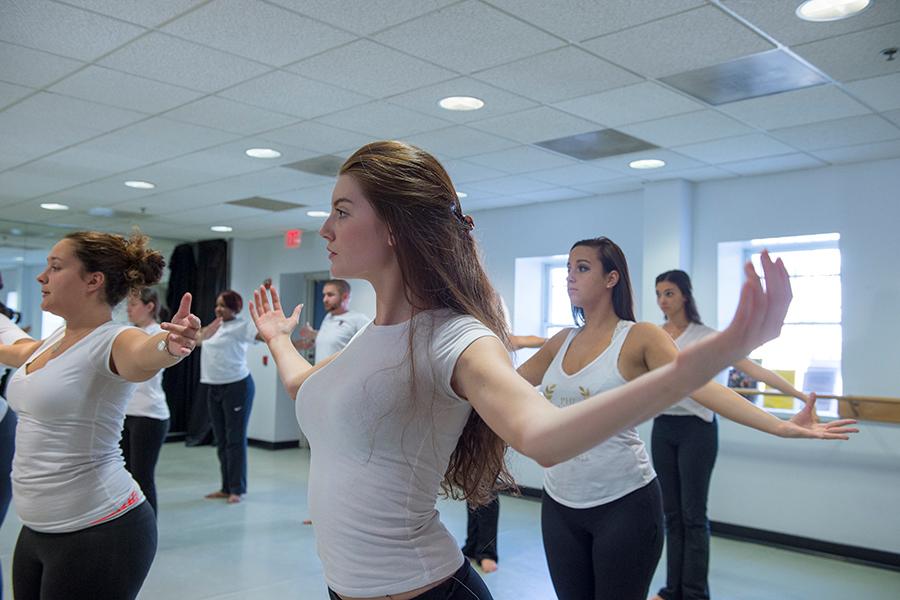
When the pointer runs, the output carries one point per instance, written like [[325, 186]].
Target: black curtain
[[202, 269]]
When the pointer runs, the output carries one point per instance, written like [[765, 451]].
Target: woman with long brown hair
[[87, 531], [390, 418]]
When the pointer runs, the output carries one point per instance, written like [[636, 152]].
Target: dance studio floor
[[260, 550]]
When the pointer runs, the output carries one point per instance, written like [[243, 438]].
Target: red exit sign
[[292, 238]]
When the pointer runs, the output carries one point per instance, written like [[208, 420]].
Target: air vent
[[326, 165], [265, 204], [596, 144], [762, 74]]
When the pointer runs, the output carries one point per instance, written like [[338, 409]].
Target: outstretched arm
[[770, 378], [137, 356], [15, 345]]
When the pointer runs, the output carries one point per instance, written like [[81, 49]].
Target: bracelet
[[163, 346]]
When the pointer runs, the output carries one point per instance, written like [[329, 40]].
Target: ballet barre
[[850, 399], [867, 408]]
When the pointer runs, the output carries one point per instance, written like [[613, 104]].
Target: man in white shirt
[[339, 325]]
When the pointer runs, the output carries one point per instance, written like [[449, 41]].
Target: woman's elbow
[[532, 445]]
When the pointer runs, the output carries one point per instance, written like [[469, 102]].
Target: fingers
[[184, 308], [276, 301], [181, 331], [295, 316], [264, 297]]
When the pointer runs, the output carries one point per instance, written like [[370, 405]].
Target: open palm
[[269, 317]]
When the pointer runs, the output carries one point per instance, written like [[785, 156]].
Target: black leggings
[[481, 531], [104, 562], [142, 439], [229, 413], [465, 584], [608, 552]]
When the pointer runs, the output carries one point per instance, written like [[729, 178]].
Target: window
[[808, 352], [557, 308]]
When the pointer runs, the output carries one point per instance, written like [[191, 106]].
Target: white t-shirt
[[378, 455], [337, 331], [149, 400], [612, 469], [68, 472], [223, 357], [688, 407], [10, 333]]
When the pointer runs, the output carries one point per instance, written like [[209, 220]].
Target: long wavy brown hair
[[440, 268]]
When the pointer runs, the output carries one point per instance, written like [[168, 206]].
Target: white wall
[[844, 493]]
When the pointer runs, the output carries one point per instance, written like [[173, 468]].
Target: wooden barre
[[851, 399]]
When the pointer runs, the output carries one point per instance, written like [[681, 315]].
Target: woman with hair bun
[[87, 530], [229, 390], [147, 414]]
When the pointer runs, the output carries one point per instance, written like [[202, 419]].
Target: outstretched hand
[[270, 319], [183, 329], [760, 313], [806, 424]]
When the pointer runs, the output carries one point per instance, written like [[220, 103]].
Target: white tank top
[[68, 472], [688, 407], [149, 399], [612, 469]]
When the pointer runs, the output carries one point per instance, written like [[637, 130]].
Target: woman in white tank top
[[602, 510], [684, 446], [424, 397], [87, 532]]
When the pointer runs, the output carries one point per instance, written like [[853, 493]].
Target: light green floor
[[260, 550]]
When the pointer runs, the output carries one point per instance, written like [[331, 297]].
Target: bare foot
[[487, 565], [234, 498], [657, 597], [307, 521], [216, 495]]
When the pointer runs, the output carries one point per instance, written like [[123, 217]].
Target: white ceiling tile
[[382, 120], [157, 139], [256, 30], [787, 162], [893, 116], [582, 19], [854, 55], [115, 88], [778, 19], [105, 163], [881, 93], [62, 29], [536, 125], [56, 121], [9, 93], [318, 138], [837, 133], [809, 105], [359, 66], [700, 126], [743, 147], [33, 68], [674, 162], [577, 174], [496, 101], [363, 17], [315, 196], [468, 37], [166, 58], [462, 173], [294, 95], [864, 152], [508, 185], [224, 214], [557, 75], [690, 40], [148, 14], [227, 115], [521, 159], [639, 102], [459, 141], [39, 178]]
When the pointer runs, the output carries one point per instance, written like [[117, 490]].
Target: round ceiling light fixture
[[647, 163], [221, 228], [262, 153], [317, 213], [54, 206], [140, 185], [820, 11], [461, 103]]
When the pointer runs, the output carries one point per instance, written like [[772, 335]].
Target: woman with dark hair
[[87, 531], [229, 390], [147, 414], [422, 399], [685, 441], [601, 514]]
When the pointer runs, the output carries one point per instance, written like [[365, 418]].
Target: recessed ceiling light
[[831, 10], [20, 259], [15, 231], [461, 195], [140, 185], [461, 103], [221, 228], [317, 213], [647, 163], [262, 153], [54, 206]]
